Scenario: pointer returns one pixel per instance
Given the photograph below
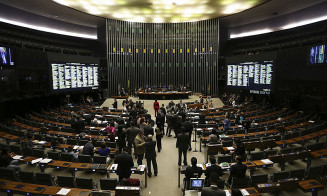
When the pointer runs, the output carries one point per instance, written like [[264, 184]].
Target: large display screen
[[74, 76], [318, 54], [6, 56], [254, 76]]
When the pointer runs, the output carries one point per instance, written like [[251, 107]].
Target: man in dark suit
[[163, 109], [160, 120], [148, 129], [213, 169], [213, 190], [115, 104], [150, 155], [238, 170], [122, 92], [188, 128], [182, 144], [192, 171], [131, 133], [169, 117], [125, 163], [79, 125]]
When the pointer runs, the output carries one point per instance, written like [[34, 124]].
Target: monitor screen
[[74, 76], [197, 183], [254, 76], [318, 54], [6, 56]]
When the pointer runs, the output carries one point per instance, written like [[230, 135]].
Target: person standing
[[150, 155], [169, 117], [237, 170], [187, 124], [131, 133], [182, 144], [125, 163], [156, 107], [159, 135], [139, 146], [115, 104]]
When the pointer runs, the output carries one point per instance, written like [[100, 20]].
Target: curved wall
[[141, 54]]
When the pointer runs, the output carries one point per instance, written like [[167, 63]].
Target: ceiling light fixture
[[49, 30], [250, 33], [304, 22]]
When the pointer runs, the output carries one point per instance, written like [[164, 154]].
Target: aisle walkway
[[165, 184]]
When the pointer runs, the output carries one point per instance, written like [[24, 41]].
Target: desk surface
[[309, 185], [53, 190], [24, 187]]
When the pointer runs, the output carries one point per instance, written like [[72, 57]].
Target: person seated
[[104, 151], [111, 131], [214, 168], [7, 161], [192, 171], [70, 150], [88, 149], [29, 142], [213, 189], [213, 138], [237, 170]]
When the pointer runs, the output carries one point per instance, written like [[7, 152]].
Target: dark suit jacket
[[212, 191], [188, 126], [213, 168], [238, 170], [88, 149], [131, 133], [182, 141], [193, 172], [150, 150], [148, 130], [125, 163], [114, 105], [240, 150]]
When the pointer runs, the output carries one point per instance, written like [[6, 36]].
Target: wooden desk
[[311, 186], [3, 182], [260, 164], [120, 97], [164, 95], [20, 187], [252, 191], [319, 153], [59, 164], [135, 171], [53, 190], [272, 187]]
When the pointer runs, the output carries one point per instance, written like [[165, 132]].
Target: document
[[63, 191], [46, 161], [36, 160], [230, 148], [267, 161], [17, 157], [114, 167], [244, 192]]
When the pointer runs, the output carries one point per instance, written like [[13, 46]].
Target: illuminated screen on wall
[[318, 54], [74, 76], [254, 76], [6, 56]]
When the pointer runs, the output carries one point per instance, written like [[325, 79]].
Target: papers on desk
[[198, 129], [227, 193], [114, 167], [230, 148], [76, 147], [311, 121], [46, 161], [244, 192], [142, 167], [36, 160], [210, 128], [267, 161], [200, 165], [240, 126], [42, 142], [17, 157], [63, 191], [92, 127], [223, 136]]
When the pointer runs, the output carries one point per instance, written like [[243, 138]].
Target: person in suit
[[169, 120], [122, 92], [237, 170], [29, 142], [156, 107], [160, 120], [192, 171], [115, 104], [213, 138], [213, 190], [163, 109], [227, 124], [131, 133], [88, 149], [240, 149], [213, 168], [182, 144], [148, 129], [125, 163], [79, 125], [139, 146], [150, 155], [187, 124]]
